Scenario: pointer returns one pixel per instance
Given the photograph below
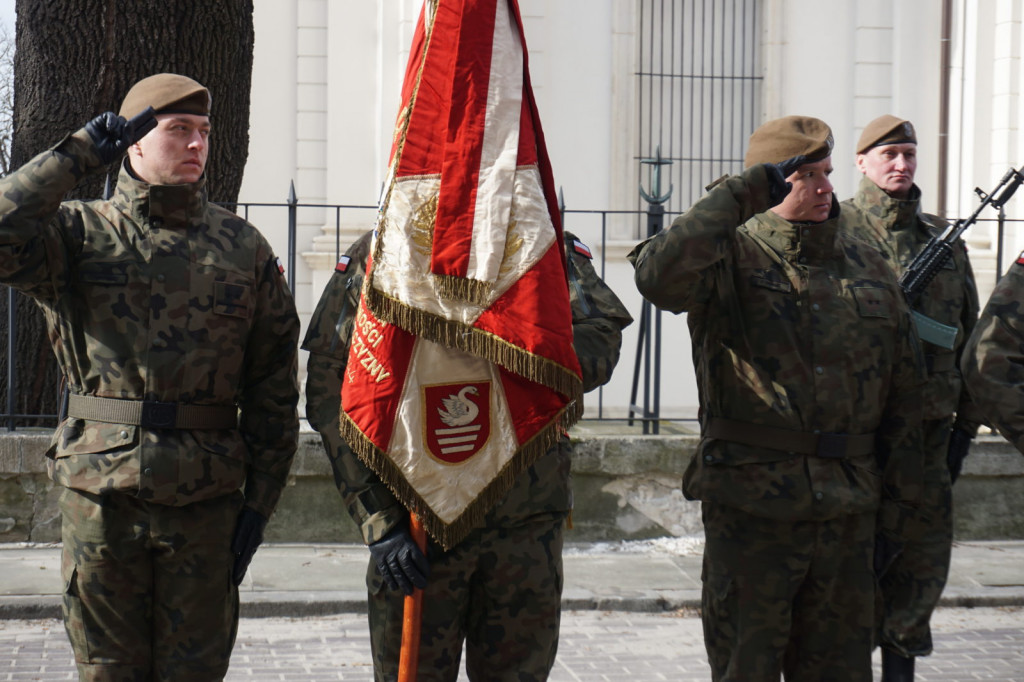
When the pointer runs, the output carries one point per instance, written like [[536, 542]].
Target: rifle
[[939, 248]]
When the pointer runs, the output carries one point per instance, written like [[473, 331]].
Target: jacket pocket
[[872, 302]]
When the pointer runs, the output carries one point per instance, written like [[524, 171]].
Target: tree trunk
[[78, 58]]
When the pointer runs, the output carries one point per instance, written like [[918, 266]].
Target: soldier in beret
[[810, 379], [886, 212], [508, 624], [177, 336]]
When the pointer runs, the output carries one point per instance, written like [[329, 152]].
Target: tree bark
[[75, 59]]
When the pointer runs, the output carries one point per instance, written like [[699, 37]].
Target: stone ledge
[[626, 487]]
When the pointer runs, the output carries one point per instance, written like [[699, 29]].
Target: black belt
[[830, 445], [152, 414]]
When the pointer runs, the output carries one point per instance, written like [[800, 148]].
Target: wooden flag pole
[[413, 616]]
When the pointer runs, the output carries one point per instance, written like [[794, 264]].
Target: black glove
[[959, 444], [400, 561], [886, 551], [789, 166], [110, 134], [777, 174], [778, 188], [248, 536]]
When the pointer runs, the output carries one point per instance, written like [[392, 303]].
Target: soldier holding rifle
[[887, 213]]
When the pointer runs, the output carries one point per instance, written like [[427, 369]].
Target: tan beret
[[784, 138], [886, 129], [167, 93]]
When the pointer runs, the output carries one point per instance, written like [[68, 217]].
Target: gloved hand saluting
[[248, 537], [777, 174], [112, 134], [109, 132], [789, 166], [400, 561]]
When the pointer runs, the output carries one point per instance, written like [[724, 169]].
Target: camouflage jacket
[[993, 358], [156, 295], [900, 230], [799, 328], [598, 320]]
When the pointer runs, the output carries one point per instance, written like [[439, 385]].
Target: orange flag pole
[[413, 616]]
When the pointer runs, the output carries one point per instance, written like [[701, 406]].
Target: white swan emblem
[[459, 410]]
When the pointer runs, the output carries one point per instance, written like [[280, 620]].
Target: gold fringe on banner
[[449, 535], [474, 341], [463, 289]]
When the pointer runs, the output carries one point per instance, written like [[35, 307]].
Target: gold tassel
[[450, 534], [477, 342], [462, 289]]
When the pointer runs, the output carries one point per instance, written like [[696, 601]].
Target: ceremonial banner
[[461, 370]]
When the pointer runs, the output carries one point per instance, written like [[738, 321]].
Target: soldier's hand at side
[[110, 134], [400, 561], [248, 537], [886, 551], [956, 453]]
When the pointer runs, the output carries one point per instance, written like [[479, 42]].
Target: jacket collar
[[172, 203], [811, 241], [896, 214]]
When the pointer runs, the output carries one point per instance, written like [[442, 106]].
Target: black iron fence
[[591, 225], [594, 226]]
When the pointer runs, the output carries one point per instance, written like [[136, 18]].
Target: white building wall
[[327, 78]]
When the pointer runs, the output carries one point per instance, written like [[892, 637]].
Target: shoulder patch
[[582, 249], [342, 265], [1020, 258], [280, 266]]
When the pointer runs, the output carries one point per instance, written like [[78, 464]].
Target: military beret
[[886, 129], [167, 93], [787, 137]]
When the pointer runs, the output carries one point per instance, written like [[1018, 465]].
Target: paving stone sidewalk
[[970, 644]]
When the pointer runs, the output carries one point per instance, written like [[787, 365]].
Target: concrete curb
[[302, 581], [316, 604]]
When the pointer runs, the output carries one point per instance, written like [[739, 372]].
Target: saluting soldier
[[499, 590], [887, 213], [177, 335], [810, 381]]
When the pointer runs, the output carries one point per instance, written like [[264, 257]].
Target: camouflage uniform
[[154, 295], [809, 378], [500, 588], [993, 357], [911, 587]]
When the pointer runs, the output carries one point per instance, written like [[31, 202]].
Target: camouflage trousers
[[499, 591], [787, 597], [148, 593], [910, 590]]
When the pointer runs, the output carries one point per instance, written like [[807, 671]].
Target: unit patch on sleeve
[[582, 249]]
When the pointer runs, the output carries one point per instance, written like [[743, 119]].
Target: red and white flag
[[461, 370]]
